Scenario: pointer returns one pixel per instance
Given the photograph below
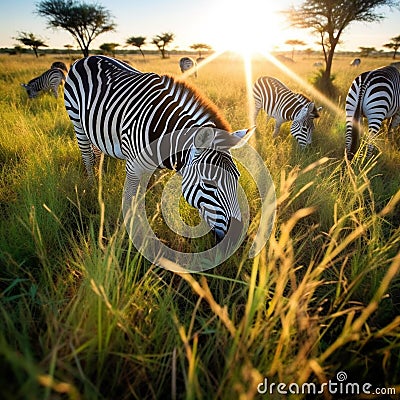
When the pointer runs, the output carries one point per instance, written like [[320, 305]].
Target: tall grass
[[85, 316]]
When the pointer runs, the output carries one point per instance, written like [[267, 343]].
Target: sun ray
[[249, 88], [207, 60]]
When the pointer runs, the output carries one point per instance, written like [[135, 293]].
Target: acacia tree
[[294, 43], [200, 47], [328, 19], [30, 40], [137, 41], [162, 41], [109, 48], [394, 44], [82, 20], [367, 51]]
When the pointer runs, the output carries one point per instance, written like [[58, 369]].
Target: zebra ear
[[202, 140], [204, 137], [244, 135]]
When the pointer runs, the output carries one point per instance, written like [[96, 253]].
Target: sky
[[218, 23]]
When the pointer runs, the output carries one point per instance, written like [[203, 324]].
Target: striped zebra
[[356, 62], [154, 121], [283, 105], [376, 95], [186, 64], [50, 79]]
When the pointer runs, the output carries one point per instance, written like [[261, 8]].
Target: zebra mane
[[203, 101], [301, 96]]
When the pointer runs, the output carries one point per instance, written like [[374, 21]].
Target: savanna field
[[85, 316]]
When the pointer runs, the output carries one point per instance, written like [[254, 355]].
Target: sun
[[245, 27]]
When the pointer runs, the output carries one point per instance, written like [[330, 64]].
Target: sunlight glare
[[245, 27]]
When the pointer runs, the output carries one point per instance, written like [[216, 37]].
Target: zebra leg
[[86, 148], [55, 91], [277, 128], [371, 147], [394, 123], [131, 185], [96, 154]]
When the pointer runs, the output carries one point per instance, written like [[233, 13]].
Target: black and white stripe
[[280, 103], [375, 95], [49, 80], [187, 64], [154, 121]]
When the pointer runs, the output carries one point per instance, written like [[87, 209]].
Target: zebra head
[[32, 93], [303, 124], [210, 177]]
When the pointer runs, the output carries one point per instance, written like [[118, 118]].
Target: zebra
[[376, 95], [280, 103], [186, 64], [50, 79], [121, 111], [60, 65], [355, 63]]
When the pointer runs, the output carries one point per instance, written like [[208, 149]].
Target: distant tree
[[294, 43], [137, 41], [109, 48], [162, 41], [367, 51], [30, 40], [69, 47], [309, 51], [18, 49], [200, 47], [394, 44], [85, 22], [328, 19]]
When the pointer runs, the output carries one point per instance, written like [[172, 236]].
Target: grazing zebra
[[60, 65], [50, 79], [186, 64], [154, 121], [376, 95], [355, 63], [281, 103]]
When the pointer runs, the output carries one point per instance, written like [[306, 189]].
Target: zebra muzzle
[[232, 236]]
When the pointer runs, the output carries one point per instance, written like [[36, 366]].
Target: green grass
[[85, 316]]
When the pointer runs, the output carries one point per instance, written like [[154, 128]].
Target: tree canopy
[[30, 40], [137, 41], [294, 43], [329, 18], [162, 41], [200, 47], [82, 20], [109, 48], [393, 44]]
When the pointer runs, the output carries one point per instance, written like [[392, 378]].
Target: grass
[[84, 316]]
